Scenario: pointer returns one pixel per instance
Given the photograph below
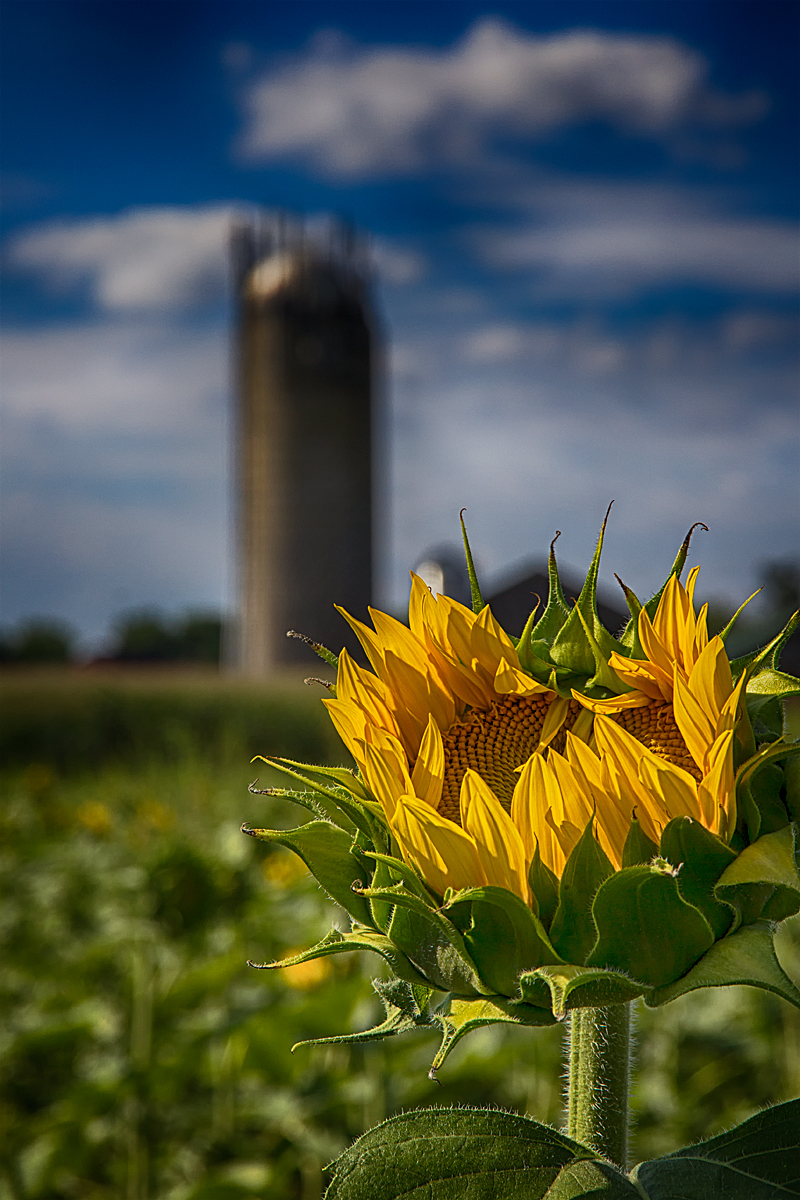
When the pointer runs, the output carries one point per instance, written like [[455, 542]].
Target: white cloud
[[617, 255], [114, 379], [394, 110], [149, 258], [397, 264]]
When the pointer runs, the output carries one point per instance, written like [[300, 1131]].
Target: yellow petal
[[696, 727], [614, 704], [676, 787], [490, 643], [711, 682], [428, 773], [444, 855], [512, 681], [499, 844], [350, 723], [641, 674], [385, 768], [717, 791]]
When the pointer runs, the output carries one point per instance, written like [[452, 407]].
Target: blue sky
[[584, 222]]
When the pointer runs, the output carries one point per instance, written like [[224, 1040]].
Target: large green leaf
[[501, 934], [472, 1154], [645, 928], [757, 1160], [573, 931], [325, 849], [747, 956]]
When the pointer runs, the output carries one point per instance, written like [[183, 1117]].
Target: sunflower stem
[[599, 1079]]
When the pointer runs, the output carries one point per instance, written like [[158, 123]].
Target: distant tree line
[[147, 636], [144, 636]]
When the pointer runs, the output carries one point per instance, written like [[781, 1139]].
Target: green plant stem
[[599, 1079]]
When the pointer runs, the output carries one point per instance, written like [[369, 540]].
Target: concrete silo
[[305, 365]]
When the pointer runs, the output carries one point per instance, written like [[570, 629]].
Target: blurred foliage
[[141, 1058], [40, 640], [147, 636]]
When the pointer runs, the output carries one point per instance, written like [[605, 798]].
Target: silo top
[[301, 277]]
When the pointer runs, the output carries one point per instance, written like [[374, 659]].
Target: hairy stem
[[599, 1079]]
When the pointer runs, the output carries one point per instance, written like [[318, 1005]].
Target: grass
[[142, 1058]]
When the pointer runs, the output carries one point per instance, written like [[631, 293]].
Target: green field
[[143, 1059]]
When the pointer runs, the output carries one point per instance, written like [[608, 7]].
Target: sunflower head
[[565, 819]]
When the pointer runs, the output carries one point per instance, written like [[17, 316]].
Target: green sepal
[[700, 859], [604, 676], [764, 881], [457, 1017], [638, 848], [325, 849], [767, 656], [405, 1006], [340, 808], [630, 631], [570, 986], [583, 643], [746, 956], [765, 790], [528, 658], [629, 638], [478, 602], [756, 1160], [344, 776], [430, 941], [572, 931], [360, 937], [645, 928], [544, 885], [308, 800], [791, 776], [556, 610], [502, 936]]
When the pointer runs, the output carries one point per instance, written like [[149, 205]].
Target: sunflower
[[450, 691], [683, 707], [479, 766], [552, 823]]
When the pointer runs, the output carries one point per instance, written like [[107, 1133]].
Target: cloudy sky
[[584, 221]]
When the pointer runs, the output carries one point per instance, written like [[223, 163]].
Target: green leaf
[[764, 881], [645, 927], [501, 934], [388, 872], [757, 1160], [544, 885], [406, 1009], [359, 938], [573, 931], [747, 956], [472, 1154], [702, 858], [458, 1017], [577, 987], [638, 848], [325, 849]]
